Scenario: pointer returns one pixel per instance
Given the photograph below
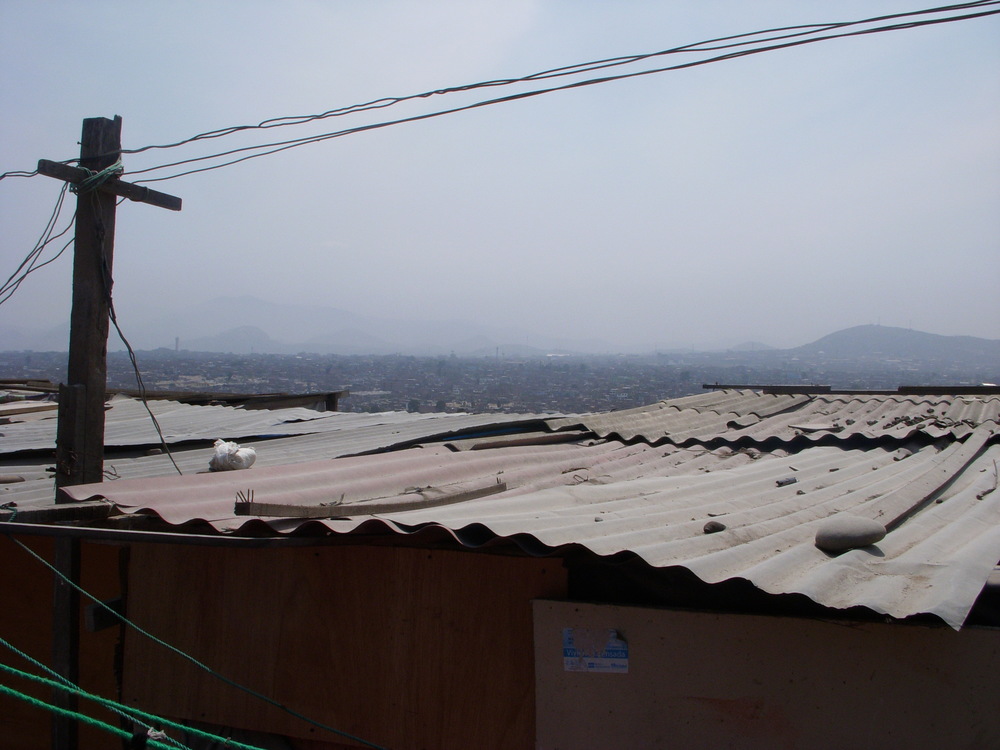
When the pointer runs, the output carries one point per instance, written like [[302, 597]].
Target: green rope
[[126, 712], [191, 659], [89, 720], [95, 179], [107, 703]]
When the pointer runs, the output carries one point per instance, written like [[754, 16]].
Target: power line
[[717, 43], [18, 173], [30, 263], [112, 315], [88, 188], [771, 39], [784, 42], [390, 101], [714, 44]]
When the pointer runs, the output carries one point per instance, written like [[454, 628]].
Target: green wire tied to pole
[[96, 179]]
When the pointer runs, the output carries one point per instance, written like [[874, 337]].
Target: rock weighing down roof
[[728, 485]]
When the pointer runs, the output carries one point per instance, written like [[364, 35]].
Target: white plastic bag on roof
[[229, 457]]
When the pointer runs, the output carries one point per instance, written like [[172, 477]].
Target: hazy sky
[[776, 197]]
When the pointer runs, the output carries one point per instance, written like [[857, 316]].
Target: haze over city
[[775, 197]]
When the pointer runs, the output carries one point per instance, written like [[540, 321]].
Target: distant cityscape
[[565, 384]]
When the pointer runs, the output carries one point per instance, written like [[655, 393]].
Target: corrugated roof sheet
[[127, 424], [643, 481], [738, 415], [939, 501], [346, 435]]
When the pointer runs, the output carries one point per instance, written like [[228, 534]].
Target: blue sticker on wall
[[594, 650]]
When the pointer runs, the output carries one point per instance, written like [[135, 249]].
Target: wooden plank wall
[[405, 647], [26, 622]]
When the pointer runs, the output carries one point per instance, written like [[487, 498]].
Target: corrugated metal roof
[[938, 500], [729, 416], [925, 466], [127, 424], [736, 415], [348, 435]]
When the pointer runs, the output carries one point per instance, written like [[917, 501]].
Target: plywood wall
[[26, 622], [405, 647], [705, 680]]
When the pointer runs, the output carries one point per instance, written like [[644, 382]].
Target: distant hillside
[[887, 342], [22, 338], [269, 327], [244, 325], [241, 340], [751, 346]]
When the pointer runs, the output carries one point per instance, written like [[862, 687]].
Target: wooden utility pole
[[80, 435], [80, 432]]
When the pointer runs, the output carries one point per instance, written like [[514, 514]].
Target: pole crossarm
[[138, 193]]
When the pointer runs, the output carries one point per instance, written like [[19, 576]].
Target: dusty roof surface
[[732, 416], [643, 482], [127, 425]]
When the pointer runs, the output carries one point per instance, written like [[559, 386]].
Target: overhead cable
[[18, 173], [265, 149], [30, 263], [107, 281], [718, 43]]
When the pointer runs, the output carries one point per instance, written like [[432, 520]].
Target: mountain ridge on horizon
[[297, 329]]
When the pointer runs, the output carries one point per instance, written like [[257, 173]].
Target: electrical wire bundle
[[705, 52]]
